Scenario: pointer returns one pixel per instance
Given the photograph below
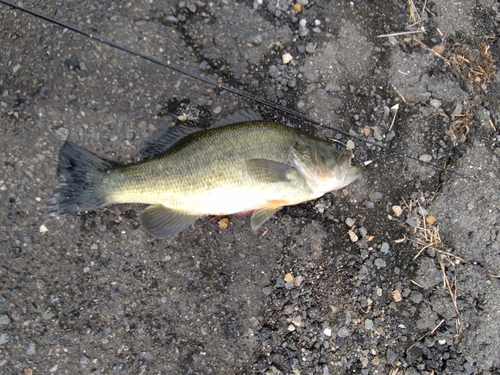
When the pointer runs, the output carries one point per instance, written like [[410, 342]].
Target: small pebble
[[376, 196], [297, 321], [397, 210], [171, 19], [310, 48], [343, 332], [392, 40], [62, 133], [4, 320], [322, 92], [396, 294], [425, 158], [288, 278], [416, 297], [353, 236], [384, 249], [411, 222], [349, 222], [297, 281], [376, 134], [31, 349], [4, 338], [380, 263], [286, 58], [327, 332], [434, 103], [349, 145], [291, 328], [369, 324], [363, 232], [43, 229]]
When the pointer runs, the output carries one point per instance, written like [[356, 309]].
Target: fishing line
[[209, 82]]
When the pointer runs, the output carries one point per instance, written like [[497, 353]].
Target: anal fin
[[163, 222], [262, 215]]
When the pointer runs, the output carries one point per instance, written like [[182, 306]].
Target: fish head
[[323, 167]]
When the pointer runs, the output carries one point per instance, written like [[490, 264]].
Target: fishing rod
[[212, 83]]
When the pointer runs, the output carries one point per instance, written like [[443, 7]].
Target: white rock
[[287, 58], [353, 236]]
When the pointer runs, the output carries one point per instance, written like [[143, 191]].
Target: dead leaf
[[223, 223], [429, 219], [438, 48], [399, 240]]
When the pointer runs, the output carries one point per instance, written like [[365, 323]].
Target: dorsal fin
[[238, 116], [164, 138]]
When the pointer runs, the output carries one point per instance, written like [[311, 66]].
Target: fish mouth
[[347, 172]]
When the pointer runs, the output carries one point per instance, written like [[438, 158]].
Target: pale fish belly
[[223, 201]]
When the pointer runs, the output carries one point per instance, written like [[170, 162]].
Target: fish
[[243, 163]]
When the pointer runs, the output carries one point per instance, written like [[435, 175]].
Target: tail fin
[[80, 178]]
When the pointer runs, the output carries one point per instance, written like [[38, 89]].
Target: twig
[[400, 95], [394, 109], [430, 50], [427, 334], [418, 31]]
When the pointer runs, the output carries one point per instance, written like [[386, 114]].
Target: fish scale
[[214, 160]]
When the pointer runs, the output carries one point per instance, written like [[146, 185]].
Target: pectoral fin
[[163, 222], [264, 170], [262, 215]]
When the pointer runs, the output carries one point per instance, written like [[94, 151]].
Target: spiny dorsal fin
[[243, 115], [164, 138]]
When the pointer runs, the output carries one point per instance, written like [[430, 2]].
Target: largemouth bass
[[242, 164]]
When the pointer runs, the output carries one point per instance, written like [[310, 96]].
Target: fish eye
[[337, 145]]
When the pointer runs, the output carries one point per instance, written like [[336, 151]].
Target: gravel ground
[[335, 286]]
